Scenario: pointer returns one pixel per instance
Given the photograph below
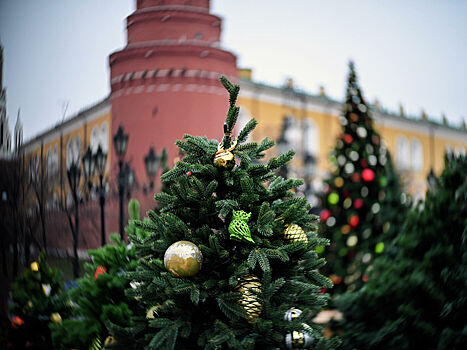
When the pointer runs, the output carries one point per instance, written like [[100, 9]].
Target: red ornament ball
[[364, 163], [365, 278], [358, 203], [348, 138], [368, 175], [99, 271], [188, 173], [353, 221], [16, 322], [325, 214], [355, 177]]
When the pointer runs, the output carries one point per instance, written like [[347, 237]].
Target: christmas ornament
[[358, 203], [335, 279], [375, 139], [348, 138], [250, 286], [30, 305], [355, 177], [56, 318], [333, 198], [238, 228], [352, 241], [294, 233], [365, 278], [379, 248], [99, 271], [339, 182], [225, 158], [383, 181], [347, 203], [361, 132], [353, 220], [364, 163], [368, 175], [188, 173], [35, 266], [331, 221], [110, 341], [375, 208], [353, 117], [96, 344], [16, 322], [183, 259], [46, 289], [345, 229], [299, 340], [152, 311], [292, 314], [325, 214]]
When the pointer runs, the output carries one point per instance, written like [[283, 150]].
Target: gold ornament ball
[[56, 318], [249, 286], [294, 233], [35, 266], [109, 341], [183, 259]]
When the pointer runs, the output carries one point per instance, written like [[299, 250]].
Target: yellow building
[[416, 145]]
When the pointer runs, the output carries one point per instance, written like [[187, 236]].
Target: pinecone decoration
[[294, 233], [249, 285], [238, 227]]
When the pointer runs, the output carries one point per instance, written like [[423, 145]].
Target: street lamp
[[129, 179], [74, 176], [88, 165], [151, 163], [100, 160], [120, 143], [431, 180], [310, 168], [283, 144]]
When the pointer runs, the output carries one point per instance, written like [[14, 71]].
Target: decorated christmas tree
[[417, 299], [355, 195], [37, 300], [100, 296], [230, 261]]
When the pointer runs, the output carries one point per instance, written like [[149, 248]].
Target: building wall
[[270, 105]]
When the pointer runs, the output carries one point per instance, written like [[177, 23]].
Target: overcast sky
[[406, 51]]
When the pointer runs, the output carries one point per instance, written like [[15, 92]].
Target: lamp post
[[100, 160], [283, 145], [120, 142], [89, 167], [151, 163], [74, 176], [431, 180]]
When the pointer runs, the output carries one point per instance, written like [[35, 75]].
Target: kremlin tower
[[164, 82]]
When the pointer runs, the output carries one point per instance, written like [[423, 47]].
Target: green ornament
[[383, 181], [379, 248], [333, 198], [238, 227]]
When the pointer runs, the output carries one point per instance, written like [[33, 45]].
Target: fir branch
[[247, 129]]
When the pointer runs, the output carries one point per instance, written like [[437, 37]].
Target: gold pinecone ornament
[[249, 286], [294, 233]]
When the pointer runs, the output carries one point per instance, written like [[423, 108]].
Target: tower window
[[198, 36]]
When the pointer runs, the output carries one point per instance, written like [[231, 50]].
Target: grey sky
[[406, 51]]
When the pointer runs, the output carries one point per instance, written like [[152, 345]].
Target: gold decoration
[[35, 266], [299, 340], [110, 341], [30, 304], [56, 318], [249, 285], [345, 229], [153, 310], [183, 259], [225, 158], [294, 233], [339, 182]]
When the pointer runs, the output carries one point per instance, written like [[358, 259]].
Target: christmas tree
[[100, 296], [230, 259], [362, 181], [417, 299], [36, 301]]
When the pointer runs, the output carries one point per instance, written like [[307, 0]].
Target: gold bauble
[[56, 318], [35, 266], [249, 286], [183, 259], [109, 341], [339, 182], [294, 233], [224, 159]]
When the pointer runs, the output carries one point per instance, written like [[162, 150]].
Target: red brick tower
[[164, 82]]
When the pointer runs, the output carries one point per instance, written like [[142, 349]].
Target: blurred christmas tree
[[417, 300], [36, 301], [100, 295], [230, 261], [359, 199]]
